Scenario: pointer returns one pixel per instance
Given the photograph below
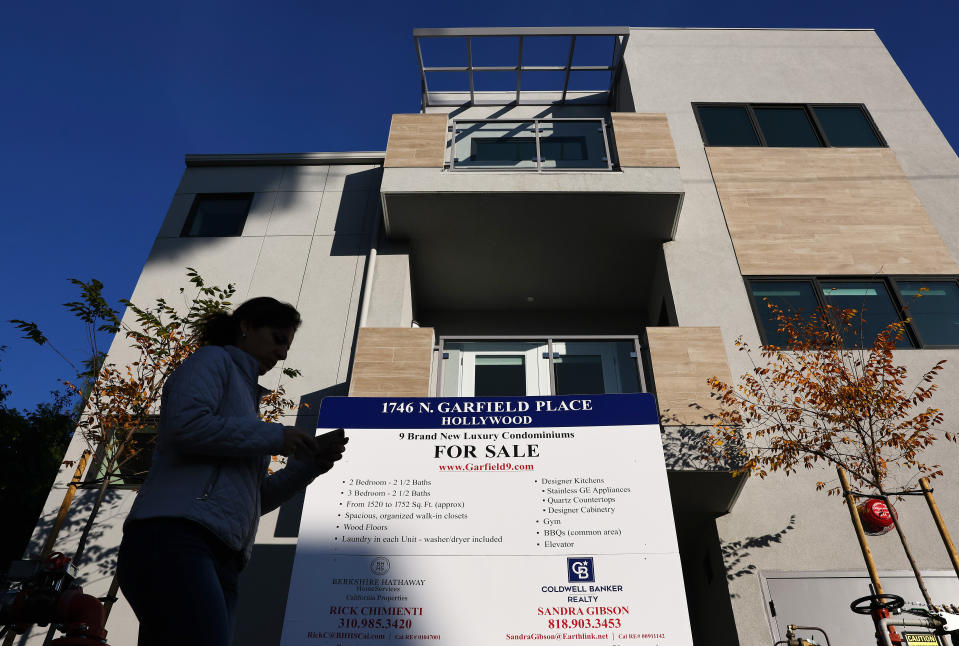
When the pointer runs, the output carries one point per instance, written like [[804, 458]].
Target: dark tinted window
[[727, 126], [579, 374], [786, 127], [873, 301], [790, 296], [934, 310], [503, 150], [218, 215], [500, 376], [846, 126], [563, 148]]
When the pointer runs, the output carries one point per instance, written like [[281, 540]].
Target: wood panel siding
[[683, 358], [392, 362], [808, 211], [643, 140], [416, 141]]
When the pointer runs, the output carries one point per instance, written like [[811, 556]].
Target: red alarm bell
[[875, 516]]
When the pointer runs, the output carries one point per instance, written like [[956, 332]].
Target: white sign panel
[[489, 521]]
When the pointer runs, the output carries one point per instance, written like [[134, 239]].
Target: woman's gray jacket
[[213, 450]]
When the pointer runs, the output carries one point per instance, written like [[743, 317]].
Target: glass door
[[495, 368]]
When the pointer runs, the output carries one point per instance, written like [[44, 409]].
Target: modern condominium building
[[598, 210]]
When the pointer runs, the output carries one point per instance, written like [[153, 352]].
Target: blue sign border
[[488, 412]]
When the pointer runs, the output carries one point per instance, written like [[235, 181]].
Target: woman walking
[[192, 526]]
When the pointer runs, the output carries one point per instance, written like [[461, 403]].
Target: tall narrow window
[[217, 215]]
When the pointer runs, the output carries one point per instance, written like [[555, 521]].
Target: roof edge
[[421, 32], [753, 28], [286, 159]]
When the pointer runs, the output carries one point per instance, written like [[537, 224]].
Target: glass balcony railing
[[531, 145], [489, 366]]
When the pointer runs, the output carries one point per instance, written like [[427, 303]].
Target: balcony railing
[[530, 144], [477, 366]]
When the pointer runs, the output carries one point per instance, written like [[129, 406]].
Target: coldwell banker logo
[[580, 569]]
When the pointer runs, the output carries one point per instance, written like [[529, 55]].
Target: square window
[[791, 297], [579, 374], [217, 215], [933, 307], [787, 127], [727, 125], [847, 126]]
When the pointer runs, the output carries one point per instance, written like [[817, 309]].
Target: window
[[217, 215], [727, 126], [930, 307], [786, 125], [873, 300], [500, 375], [133, 465], [788, 296], [847, 126], [934, 309], [504, 366]]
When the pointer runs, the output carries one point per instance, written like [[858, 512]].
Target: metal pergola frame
[[620, 36]]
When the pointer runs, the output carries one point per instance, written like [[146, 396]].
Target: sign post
[[490, 520]]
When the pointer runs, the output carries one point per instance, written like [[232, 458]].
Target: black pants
[[181, 581]]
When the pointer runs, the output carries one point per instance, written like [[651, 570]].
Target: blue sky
[[103, 99]]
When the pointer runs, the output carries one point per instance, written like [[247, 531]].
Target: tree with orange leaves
[[818, 401], [119, 402]]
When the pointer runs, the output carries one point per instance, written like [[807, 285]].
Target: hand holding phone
[[329, 448]]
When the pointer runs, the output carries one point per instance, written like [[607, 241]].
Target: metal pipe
[[905, 548], [816, 628], [860, 533], [111, 597], [919, 622], [65, 505], [940, 524], [367, 294]]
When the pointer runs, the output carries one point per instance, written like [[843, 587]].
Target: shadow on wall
[[708, 566], [736, 554], [99, 558], [264, 587], [686, 446], [357, 205]]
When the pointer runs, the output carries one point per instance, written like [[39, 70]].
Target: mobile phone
[[335, 434]]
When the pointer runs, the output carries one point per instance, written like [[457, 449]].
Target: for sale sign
[[489, 521]]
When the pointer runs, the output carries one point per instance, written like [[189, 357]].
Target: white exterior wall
[[669, 69]]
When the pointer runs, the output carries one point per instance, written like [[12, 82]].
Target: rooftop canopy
[[519, 65]]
